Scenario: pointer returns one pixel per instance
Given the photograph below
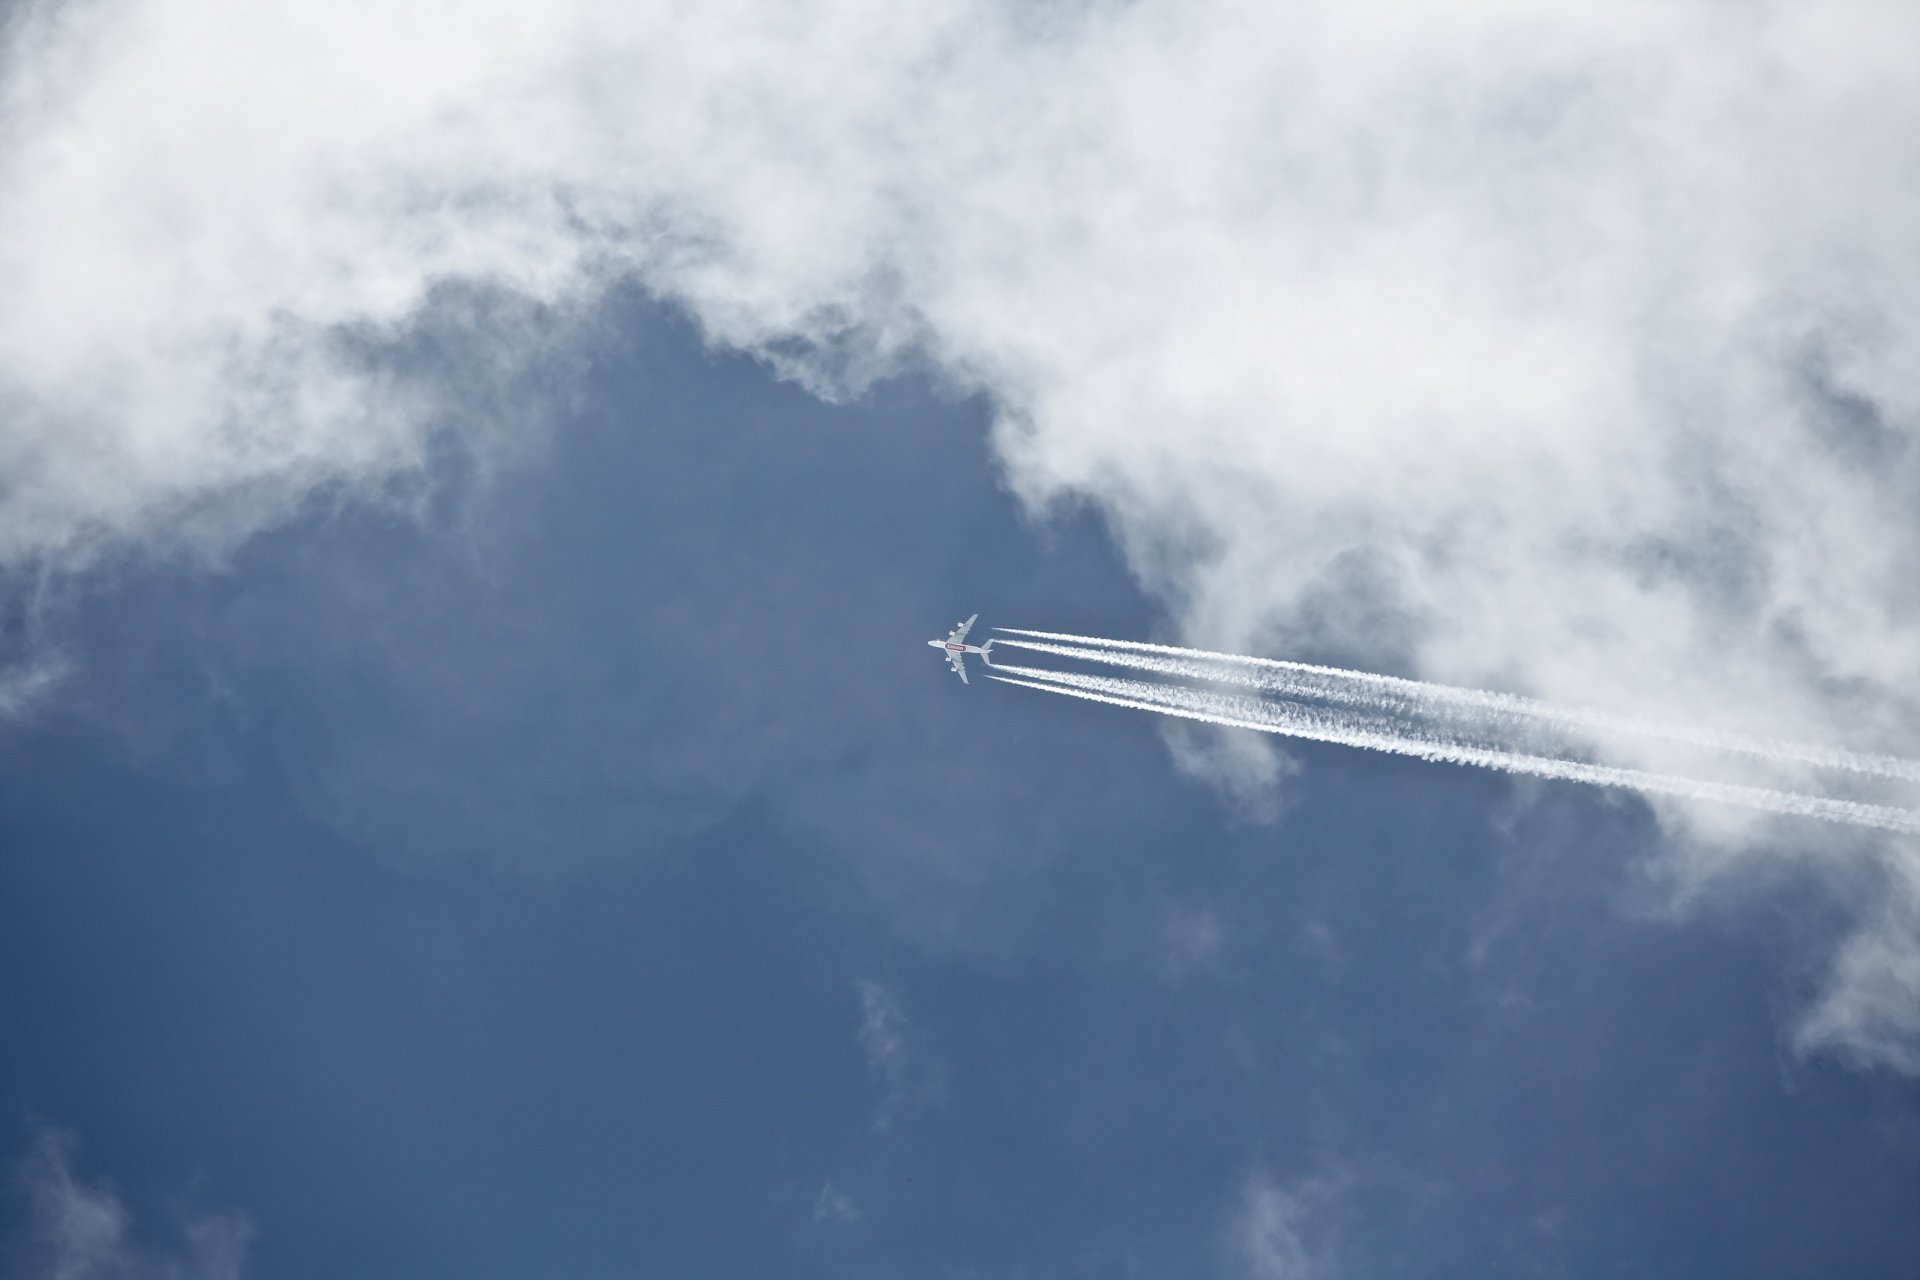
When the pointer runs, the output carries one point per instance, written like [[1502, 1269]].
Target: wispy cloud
[[908, 1076], [1193, 940], [80, 1231], [883, 1037], [27, 684], [835, 1206], [1869, 1007], [1272, 1232]]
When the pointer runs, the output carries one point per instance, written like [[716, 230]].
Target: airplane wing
[[959, 666], [959, 635]]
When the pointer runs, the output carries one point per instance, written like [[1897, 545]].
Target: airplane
[[956, 648]]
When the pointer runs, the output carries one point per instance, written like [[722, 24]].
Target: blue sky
[[476, 480], [607, 880]]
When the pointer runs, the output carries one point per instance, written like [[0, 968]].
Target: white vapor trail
[[1382, 733], [1399, 695], [1285, 682]]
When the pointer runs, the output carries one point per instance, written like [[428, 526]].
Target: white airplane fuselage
[[951, 647]]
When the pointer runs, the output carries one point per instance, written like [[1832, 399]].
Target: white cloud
[[835, 1206], [27, 683], [1564, 348], [909, 1077], [1193, 942], [1242, 763], [1270, 1232], [883, 1038], [80, 1231], [1870, 1009]]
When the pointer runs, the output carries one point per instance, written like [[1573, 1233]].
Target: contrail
[[1398, 695], [1381, 734], [1286, 682]]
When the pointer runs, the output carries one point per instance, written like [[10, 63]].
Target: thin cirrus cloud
[[1267, 1233], [80, 1230], [1562, 350], [883, 1038]]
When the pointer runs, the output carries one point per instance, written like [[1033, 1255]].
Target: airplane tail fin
[[986, 653]]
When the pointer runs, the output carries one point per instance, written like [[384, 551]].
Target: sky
[[478, 480]]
